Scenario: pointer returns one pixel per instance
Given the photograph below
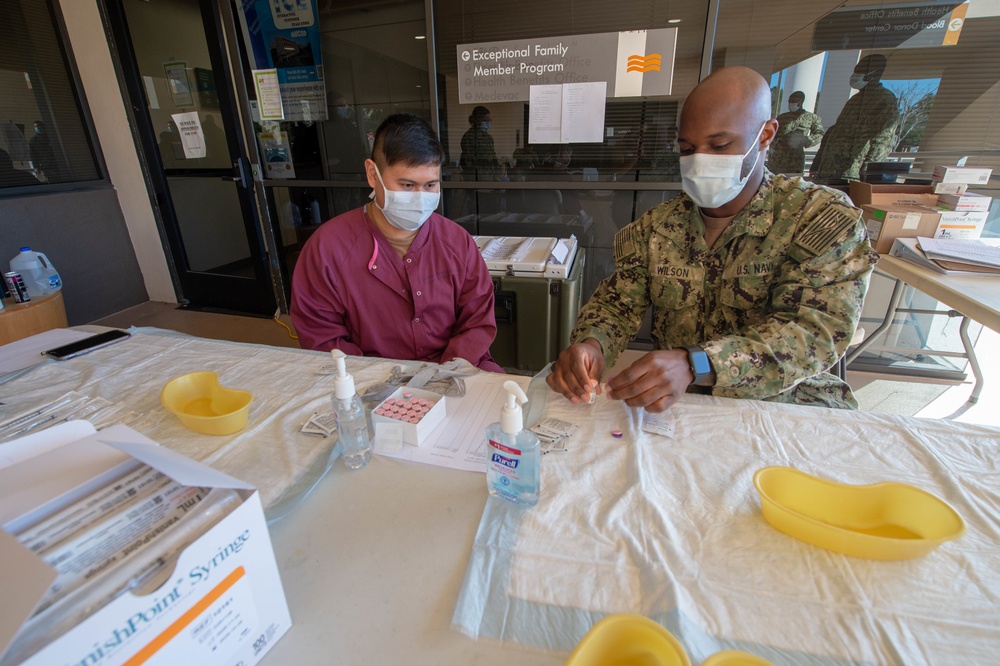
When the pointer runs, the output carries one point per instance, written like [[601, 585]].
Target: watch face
[[700, 365]]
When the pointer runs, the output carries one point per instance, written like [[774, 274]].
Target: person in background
[[479, 157], [43, 158], [756, 281], [798, 129], [345, 153], [865, 129], [393, 278]]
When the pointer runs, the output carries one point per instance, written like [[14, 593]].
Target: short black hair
[[406, 138], [798, 94], [872, 65], [478, 114]]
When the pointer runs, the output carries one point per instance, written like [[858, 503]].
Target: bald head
[[734, 96]]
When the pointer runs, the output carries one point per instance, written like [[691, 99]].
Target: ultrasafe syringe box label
[[220, 601]]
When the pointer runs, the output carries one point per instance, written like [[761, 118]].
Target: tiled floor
[[876, 393]]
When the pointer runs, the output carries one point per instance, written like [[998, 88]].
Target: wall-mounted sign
[[205, 83], [891, 27], [268, 89], [178, 83], [285, 36], [633, 63]]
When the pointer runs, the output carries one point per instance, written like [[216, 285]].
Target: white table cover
[[672, 529]]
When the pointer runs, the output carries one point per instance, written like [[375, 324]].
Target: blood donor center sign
[[633, 63]]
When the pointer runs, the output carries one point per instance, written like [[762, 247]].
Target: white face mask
[[793, 107], [406, 210], [858, 81], [715, 180]]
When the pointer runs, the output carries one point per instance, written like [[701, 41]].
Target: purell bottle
[[513, 466]]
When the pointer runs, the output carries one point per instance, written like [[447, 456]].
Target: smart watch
[[701, 367]]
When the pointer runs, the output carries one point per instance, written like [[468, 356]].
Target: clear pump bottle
[[352, 425], [513, 467]]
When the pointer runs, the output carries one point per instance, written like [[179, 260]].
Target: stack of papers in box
[[528, 257], [972, 258]]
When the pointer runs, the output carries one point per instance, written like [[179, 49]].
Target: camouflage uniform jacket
[[479, 157], [864, 132], [782, 156], [774, 304]]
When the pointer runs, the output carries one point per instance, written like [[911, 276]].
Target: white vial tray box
[[419, 412]]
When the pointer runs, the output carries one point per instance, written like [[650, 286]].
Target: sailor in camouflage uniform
[[479, 157], [798, 129], [865, 130], [765, 276]]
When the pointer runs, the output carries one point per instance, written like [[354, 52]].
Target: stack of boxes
[[943, 209], [963, 214]]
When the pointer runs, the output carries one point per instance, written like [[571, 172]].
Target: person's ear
[[370, 174], [769, 132]]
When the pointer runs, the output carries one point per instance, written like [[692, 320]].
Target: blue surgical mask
[[714, 180], [406, 210], [485, 125], [858, 81], [343, 111]]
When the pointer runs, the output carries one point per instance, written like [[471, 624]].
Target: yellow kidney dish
[[881, 521], [204, 405]]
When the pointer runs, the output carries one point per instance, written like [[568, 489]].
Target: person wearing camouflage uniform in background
[[479, 157], [798, 129], [767, 276], [865, 129]]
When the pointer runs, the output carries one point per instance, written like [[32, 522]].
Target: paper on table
[[973, 251], [460, 441], [27, 352]]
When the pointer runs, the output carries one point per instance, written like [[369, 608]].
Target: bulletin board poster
[[284, 35]]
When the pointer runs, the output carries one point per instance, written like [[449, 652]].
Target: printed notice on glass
[[545, 114], [265, 82], [583, 112], [192, 134], [567, 113]]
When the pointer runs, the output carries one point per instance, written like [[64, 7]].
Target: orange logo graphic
[[650, 63]]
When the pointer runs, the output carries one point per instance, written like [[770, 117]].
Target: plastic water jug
[[40, 277]]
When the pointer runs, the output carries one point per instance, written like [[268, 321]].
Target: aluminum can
[[15, 283]]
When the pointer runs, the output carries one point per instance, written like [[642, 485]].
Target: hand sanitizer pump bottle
[[352, 426], [513, 466]]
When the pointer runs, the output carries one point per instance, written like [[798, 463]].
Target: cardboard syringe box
[[221, 604], [863, 194], [887, 223], [961, 224], [968, 175]]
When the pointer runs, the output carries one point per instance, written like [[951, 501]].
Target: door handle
[[241, 173]]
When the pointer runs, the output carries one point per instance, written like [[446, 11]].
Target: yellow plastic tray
[[205, 406], [628, 640], [882, 521]]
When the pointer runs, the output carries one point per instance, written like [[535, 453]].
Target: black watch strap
[[701, 367]]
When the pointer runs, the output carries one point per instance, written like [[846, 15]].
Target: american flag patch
[[627, 241], [827, 228]]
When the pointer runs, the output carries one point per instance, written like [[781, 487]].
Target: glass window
[[375, 65], [501, 179], [43, 135], [880, 91]]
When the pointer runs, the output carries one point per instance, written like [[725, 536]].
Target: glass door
[[176, 68]]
